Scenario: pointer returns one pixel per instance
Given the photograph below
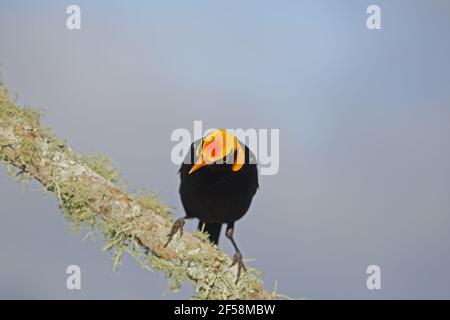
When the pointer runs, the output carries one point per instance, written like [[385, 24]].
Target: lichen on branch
[[137, 224]]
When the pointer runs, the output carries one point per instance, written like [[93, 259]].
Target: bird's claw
[[237, 260], [177, 226]]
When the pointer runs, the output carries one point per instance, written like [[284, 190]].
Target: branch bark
[[128, 223]]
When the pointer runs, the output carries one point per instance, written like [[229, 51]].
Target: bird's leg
[[177, 226], [237, 258]]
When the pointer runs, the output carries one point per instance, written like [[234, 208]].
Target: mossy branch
[[88, 194]]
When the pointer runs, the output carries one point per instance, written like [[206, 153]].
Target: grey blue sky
[[364, 127]]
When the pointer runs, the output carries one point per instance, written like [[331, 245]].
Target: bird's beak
[[197, 166]]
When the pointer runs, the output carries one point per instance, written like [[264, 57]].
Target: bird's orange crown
[[216, 146]]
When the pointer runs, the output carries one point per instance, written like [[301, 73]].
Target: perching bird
[[219, 178]]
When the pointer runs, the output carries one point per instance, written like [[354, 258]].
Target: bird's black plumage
[[215, 194], [218, 182]]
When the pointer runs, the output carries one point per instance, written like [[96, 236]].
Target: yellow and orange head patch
[[216, 146]]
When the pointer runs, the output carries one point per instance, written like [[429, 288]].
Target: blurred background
[[364, 128]]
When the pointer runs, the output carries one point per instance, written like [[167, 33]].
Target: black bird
[[219, 178]]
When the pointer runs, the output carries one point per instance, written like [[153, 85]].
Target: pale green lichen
[[74, 199], [201, 235], [101, 164], [117, 242], [177, 274], [151, 201]]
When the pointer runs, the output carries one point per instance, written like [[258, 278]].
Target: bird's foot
[[237, 260], [177, 226]]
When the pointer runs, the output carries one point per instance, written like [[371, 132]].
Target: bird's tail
[[213, 230]]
